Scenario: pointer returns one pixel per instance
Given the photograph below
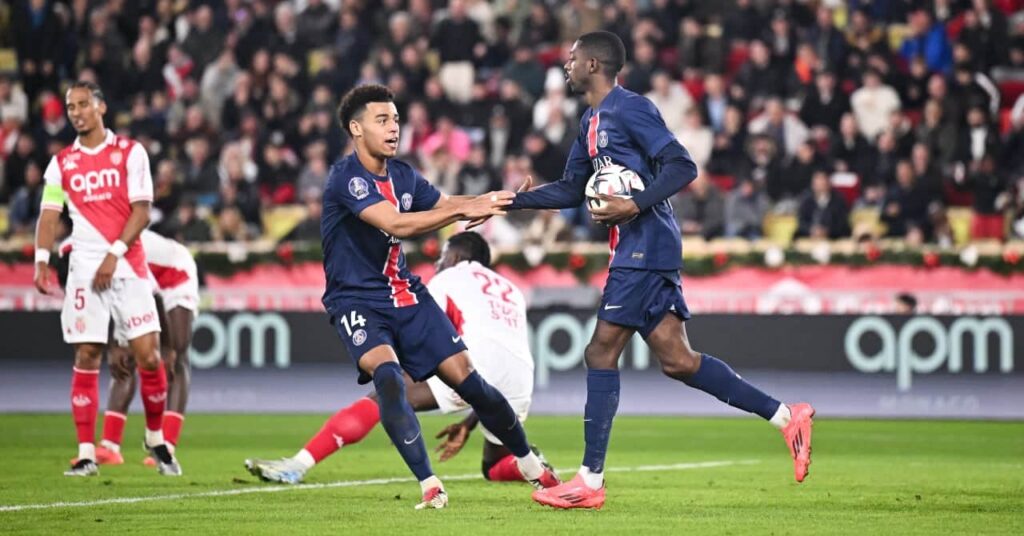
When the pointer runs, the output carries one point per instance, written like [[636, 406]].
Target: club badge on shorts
[[359, 337]]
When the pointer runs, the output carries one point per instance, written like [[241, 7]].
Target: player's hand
[[42, 278], [487, 205], [456, 438], [524, 187], [616, 210], [105, 273]]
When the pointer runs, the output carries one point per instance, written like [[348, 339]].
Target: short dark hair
[[92, 87], [472, 246], [354, 102], [606, 48]]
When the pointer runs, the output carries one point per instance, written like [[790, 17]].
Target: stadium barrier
[[866, 365]]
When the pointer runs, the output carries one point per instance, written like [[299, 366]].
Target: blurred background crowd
[[820, 119]]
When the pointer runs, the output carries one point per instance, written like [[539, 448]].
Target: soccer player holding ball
[[643, 293]]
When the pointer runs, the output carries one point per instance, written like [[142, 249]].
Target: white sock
[[781, 417], [154, 437], [591, 479], [87, 451], [530, 466], [431, 482], [110, 445], [170, 447], [305, 459]]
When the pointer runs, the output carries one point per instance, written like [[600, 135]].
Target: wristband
[[118, 249], [42, 256]]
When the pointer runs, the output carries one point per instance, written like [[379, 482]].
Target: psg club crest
[[406, 201], [602, 139], [358, 188], [359, 337], [80, 324], [116, 157]]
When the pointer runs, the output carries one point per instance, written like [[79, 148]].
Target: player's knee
[[387, 378], [88, 358], [600, 356], [148, 360], [681, 366]]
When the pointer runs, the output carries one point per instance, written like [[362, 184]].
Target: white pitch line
[[340, 484]]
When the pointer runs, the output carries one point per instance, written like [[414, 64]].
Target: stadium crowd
[[889, 110]]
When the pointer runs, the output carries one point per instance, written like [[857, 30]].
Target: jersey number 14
[[352, 321]]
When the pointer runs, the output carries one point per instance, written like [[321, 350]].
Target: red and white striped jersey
[[99, 185]]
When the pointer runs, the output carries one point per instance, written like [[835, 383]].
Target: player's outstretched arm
[[384, 216]]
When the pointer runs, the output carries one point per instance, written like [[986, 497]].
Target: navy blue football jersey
[[625, 129], [362, 262]]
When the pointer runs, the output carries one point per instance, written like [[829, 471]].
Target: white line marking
[[342, 484]]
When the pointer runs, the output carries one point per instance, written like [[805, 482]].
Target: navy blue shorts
[[421, 335], [640, 299]]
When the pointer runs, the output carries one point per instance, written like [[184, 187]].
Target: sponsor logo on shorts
[[80, 401], [358, 188], [136, 321], [359, 337]]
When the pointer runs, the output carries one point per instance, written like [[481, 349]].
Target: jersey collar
[[108, 140]]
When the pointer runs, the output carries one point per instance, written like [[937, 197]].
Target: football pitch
[[666, 476]]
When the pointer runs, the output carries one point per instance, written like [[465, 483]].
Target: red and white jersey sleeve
[[171, 263], [140, 178], [490, 313]]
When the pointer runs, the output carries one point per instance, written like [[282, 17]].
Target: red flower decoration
[[931, 259], [431, 248], [577, 261], [286, 252], [1011, 256], [872, 253], [720, 259]]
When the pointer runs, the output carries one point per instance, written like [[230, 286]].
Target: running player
[[105, 181], [383, 313], [490, 313], [643, 293], [176, 280]]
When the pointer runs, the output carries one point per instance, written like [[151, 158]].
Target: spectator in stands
[[714, 102], [905, 304], [671, 99], [872, 104], [825, 104], [204, 42], [700, 209], [850, 151], [785, 129], [185, 225], [979, 139], [927, 39], [758, 77], [459, 43], [927, 174], [641, 68], [316, 23], [37, 44], [986, 186], [25, 202], [795, 180], [545, 159], [526, 71], [698, 138], [743, 23], [476, 177], [167, 191], [201, 178], [822, 213], [938, 135], [905, 207], [308, 229], [745, 209]]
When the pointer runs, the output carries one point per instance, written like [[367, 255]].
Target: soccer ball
[[612, 180]]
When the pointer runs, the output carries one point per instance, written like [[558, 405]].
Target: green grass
[[868, 477]]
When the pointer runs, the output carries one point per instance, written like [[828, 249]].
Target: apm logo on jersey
[[97, 185]]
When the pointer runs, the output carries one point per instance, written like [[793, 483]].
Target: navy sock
[[602, 403], [494, 413], [717, 379], [399, 419]]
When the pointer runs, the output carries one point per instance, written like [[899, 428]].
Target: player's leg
[[85, 393], [179, 328], [119, 398], [496, 414], [681, 362], [586, 489], [137, 321], [498, 464], [400, 422], [346, 427]]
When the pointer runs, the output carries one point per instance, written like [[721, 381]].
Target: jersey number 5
[[354, 320]]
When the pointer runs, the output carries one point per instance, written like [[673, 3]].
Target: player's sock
[[598, 414], [429, 483], [113, 430], [717, 379], [172, 424], [153, 387], [400, 421], [346, 427], [505, 470], [497, 416], [85, 394], [782, 417]]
